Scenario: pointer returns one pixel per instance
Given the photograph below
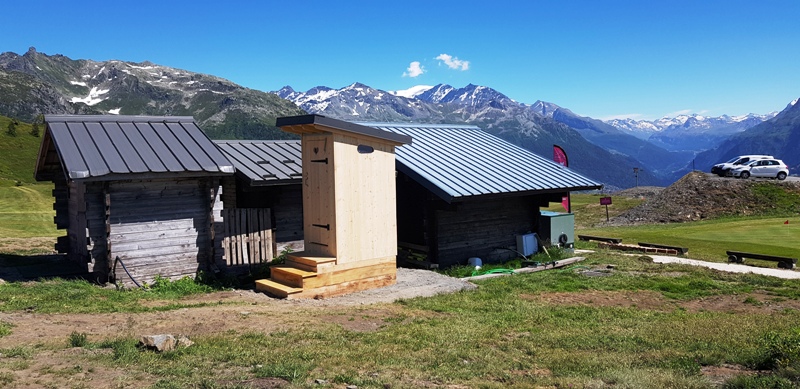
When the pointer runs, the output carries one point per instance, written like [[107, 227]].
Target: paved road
[[729, 267]]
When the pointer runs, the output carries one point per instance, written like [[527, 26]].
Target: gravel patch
[[410, 283]]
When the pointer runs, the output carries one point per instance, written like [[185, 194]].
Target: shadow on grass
[[33, 267]]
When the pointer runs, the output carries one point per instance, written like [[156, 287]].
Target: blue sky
[[603, 59]]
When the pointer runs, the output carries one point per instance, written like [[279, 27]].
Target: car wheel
[[781, 176], [745, 175]]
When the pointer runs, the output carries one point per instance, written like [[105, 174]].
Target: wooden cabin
[[134, 193], [465, 193], [349, 205]]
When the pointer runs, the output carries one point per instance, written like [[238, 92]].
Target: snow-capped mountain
[[641, 129], [536, 127], [689, 132]]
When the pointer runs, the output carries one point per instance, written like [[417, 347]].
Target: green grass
[[710, 239], [19, 153], [501, 335], [5, 328], [588, 211], [77, 296], [27, 211]]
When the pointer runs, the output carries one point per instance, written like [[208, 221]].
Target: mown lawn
[[710, 239]]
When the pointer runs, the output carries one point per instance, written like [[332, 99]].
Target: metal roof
[[265, 162], [307, 124], [104, 146], [458, 161]]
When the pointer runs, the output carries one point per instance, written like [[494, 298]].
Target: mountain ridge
[[36, 83]]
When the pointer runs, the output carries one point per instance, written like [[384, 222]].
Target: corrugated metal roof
[[457, 161], [308, 124], [265, 162], [94, 147]]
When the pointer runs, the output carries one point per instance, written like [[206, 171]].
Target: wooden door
[[318, 195]]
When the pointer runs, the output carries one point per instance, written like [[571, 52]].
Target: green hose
[[493, 271]]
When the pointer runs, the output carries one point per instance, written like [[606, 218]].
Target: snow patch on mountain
[[412, 92], [93, 98]]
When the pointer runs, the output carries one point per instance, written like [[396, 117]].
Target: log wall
[[159, 227], [484, 228]]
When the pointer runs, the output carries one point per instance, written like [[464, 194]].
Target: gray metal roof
[[457, 161], [265, 162], [306, 123], [104, 146]]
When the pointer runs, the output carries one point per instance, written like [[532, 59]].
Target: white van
[[724, 169]]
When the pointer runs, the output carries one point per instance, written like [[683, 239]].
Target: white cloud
[[414, 70], [678, 113], [453, 62]]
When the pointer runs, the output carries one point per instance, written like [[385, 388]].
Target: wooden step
[[338, 276], [290, 276], [309, 263], [276, 289]]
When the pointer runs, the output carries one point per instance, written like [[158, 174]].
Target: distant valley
[[663, 150]]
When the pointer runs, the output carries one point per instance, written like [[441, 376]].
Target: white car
[[770, 168], [725, 168]]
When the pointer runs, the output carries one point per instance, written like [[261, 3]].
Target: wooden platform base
[[322, 277]]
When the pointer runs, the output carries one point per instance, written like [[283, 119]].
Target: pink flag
[[560, 156]]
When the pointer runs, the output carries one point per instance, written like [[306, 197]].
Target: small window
[[364, 149]]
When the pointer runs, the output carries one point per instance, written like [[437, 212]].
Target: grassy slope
[[19, 153], [26, 210]]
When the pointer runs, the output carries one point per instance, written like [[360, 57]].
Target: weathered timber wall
[[159, 227], [484, 228], [285, 203]]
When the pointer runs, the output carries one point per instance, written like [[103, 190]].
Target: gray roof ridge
[[420, 125], [116, 118]]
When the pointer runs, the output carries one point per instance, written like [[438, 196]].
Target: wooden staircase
[[320, 277]]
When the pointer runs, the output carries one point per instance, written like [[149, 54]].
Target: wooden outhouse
[[134, 193], [349, 210]]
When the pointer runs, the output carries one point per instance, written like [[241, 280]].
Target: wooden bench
[[600, 239], [783, 262], [680, 250]]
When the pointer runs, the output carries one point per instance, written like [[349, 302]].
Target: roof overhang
[[314, 124]]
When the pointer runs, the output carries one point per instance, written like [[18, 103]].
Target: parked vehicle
[[770, 168], [724, 169]]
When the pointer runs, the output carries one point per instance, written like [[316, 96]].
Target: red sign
[[605, 201]]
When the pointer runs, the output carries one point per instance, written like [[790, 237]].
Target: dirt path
[[239, 310]]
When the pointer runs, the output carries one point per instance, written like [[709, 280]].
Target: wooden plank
[[244, 236], [347, 275], [600, 239], [346, 287], [681, 250]]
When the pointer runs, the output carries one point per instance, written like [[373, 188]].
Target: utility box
[[558, 228], [526, 244]]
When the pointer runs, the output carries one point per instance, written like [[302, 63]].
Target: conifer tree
[[11, 130]]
